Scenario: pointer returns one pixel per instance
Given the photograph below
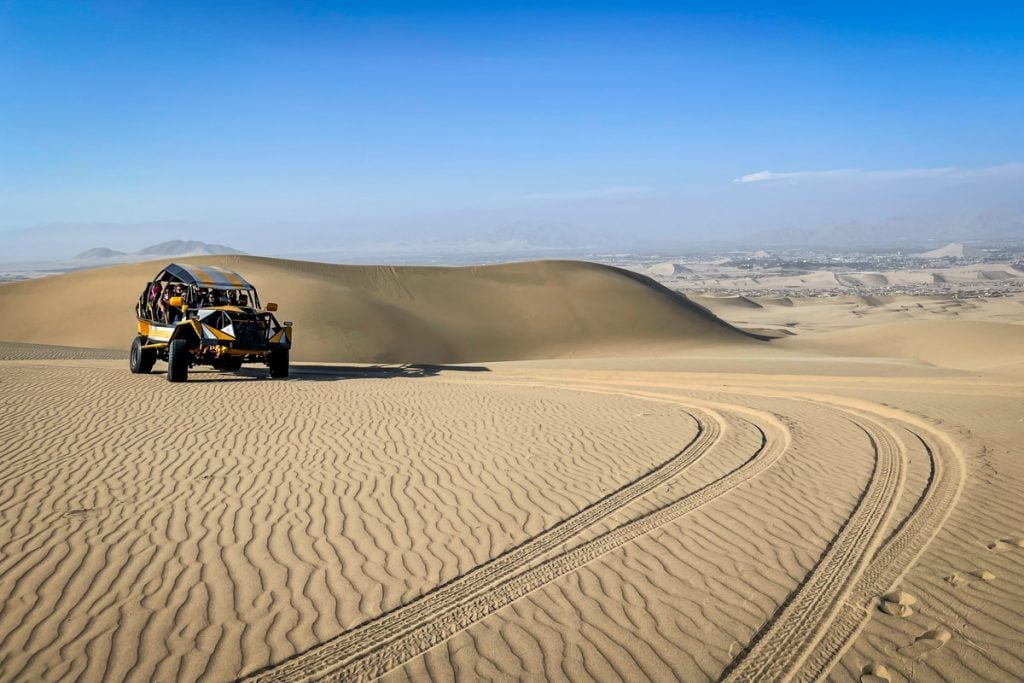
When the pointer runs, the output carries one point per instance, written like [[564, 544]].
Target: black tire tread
[[278, 363], [177, 360], [140, 360]]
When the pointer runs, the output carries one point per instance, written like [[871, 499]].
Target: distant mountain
[[953, 250], [185, 248], [99, 253], [169, 248]]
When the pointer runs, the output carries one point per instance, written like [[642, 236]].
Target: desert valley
[[543, 470]]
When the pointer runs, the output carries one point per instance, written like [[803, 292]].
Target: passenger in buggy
[[172, 314], [154, 299]]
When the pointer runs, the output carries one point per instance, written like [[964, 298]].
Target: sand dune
[[995, 275], [870, 301], [862, 280], [668, 269], [727, 280], [777, 300], [954, 250], [819, 279], [716, 303], [957, 333], [831, 505], [966, 345], [873, 279], [396, 314]]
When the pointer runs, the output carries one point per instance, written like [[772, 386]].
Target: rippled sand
[[735, 516]]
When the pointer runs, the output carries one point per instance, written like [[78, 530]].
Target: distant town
[[956, 270]]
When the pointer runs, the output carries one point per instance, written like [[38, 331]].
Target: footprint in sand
[[897, 603], [956, 579], [875, 673], [926, 643]]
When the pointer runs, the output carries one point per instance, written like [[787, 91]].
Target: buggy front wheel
[[277, 361], [178, 359]]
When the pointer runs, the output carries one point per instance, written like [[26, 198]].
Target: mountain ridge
[[167, 248]]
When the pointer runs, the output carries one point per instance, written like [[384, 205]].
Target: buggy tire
[[178, 359], [141, 360], [278, 363]]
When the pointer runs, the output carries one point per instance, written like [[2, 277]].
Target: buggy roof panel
[[206, 276]]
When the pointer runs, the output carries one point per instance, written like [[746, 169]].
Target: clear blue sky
[[378, 113]]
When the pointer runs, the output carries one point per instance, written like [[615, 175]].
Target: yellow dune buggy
[[191, 315]]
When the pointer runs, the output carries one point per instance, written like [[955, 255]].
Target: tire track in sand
[[780, 648], [802, 643], [408, 616], [894, 558], [358, 654]]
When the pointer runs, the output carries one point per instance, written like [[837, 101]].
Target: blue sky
[[417, 118]]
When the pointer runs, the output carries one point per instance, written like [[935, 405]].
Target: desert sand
[[534, 471]]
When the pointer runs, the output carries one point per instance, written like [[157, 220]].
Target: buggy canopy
[[203, 276]]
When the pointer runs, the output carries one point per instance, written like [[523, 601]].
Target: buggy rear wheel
[[178, 359], [141, 360]]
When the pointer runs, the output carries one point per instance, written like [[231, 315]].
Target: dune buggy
[[191, 315]]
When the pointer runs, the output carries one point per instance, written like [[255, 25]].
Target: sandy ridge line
[[323, 664], [893, 560], [781, 646], [388, 626]]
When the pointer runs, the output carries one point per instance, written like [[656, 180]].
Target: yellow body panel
[[159, 332]]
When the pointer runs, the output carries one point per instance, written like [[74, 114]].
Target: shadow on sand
[[331, 373]]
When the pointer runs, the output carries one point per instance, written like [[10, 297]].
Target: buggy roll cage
[[195, 278]]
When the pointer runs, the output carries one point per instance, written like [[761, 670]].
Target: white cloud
[[769, 176], [897, 174]]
